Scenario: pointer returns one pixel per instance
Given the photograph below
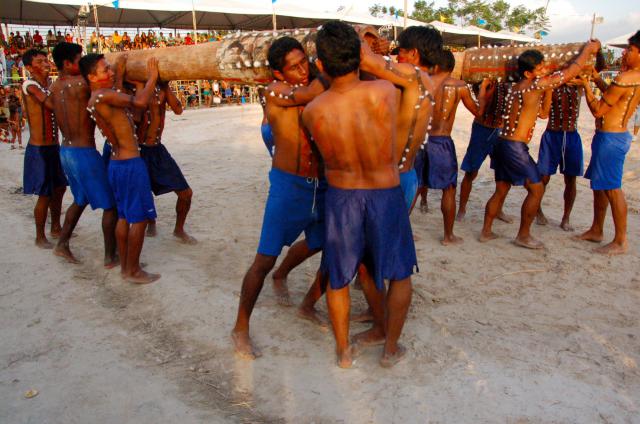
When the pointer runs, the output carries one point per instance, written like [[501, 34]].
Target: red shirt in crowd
[[37, 39], [188, 39]]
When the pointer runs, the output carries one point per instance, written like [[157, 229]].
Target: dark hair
[[88, 64], [338, 46], [446, 61], [634, 40], [65, 51], [425, 39], [279, 49], [29, 55], [528, 60]]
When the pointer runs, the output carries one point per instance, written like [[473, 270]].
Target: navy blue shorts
[[131, 187], [481, 144], [295, 204], [367, 226], [87, 177], [42, 170], [608, 152], [561, 149], [164, 172], [513, 164], [106, 154], [409, 185], [418, 165], [267, 137], [441, 163]]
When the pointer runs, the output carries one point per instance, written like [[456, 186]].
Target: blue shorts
[[409, 185], [367, 226], [87, 177], [481, 144], [418, 165], [608, 151], [164, 173], [131, 187], [295, 204], [513, 164], [42, 170], [441, 163], [267, 137], [106, 154], [561, 149]]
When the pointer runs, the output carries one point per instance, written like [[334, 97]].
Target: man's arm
[[284, 95], [468, 101], [597, 79], [36, 92], [141, 99], [172, 100], [402, 75], [609, 98], [544, 111], [570, 71], [120, 66]]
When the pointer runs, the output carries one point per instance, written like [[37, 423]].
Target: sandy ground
[[495, 333]]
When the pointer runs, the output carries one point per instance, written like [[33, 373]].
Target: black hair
[[65, 51], [634, 40], [446, 61], [528, 60], [426, 40], [88, 64], [279, 49], [338, 46], [29, 55]]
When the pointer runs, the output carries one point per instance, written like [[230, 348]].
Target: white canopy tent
[[620, 42]]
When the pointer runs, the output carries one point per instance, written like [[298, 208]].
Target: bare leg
[[307, 309], [70, 221], [570, 192], [465, 192], [619, 211], [122, 236], [339, 305], [56, 208], [297, 254], [40, 213], [424, 193], [251, 287], [448, 207], [398, 302], [182, 209], [135, 240], [600, 205], [375, 298], [540, 218], [109, 221], [530, 207], [494, 205], [152, 231]]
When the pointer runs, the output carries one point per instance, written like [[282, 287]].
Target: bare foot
[[371, 337], [142, 277], [345, 359], [612, 249], [314, 316], [589, 235], [387, 361], [565, 225], [505, 218], [55, 232], [110, 263], [281, 291], [541, 219], [65, 252], [243, 346], [44, 244], [184, 238], [487, 237], [424, 208], [461, 215], [365, 316], [528, 242], [152, 232], [451, 241]]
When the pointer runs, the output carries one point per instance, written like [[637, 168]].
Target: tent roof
[[621, 41]]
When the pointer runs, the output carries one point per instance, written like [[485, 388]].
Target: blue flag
[[116, 3], [273, 1]]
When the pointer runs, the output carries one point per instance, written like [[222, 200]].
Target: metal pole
[[404, 26], [273, 16], [593, 26], [195, 29]]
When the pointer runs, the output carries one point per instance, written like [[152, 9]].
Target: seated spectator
[[37, 39], [59, 37], [51, 39], [188, 40], [117, 40], [68, 38], [28, 41]]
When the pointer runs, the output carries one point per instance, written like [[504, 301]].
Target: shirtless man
[[512, 163], [296, 197], [610, 146], [164, 173], [80, 160], [265, 128], [128, 175], [441, 161], [354, 126], [485, 131], [15, 116], [43, 174]]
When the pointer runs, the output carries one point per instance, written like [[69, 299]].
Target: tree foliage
[[379, 10]]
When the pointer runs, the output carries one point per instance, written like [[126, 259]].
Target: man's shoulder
[[627, 78]]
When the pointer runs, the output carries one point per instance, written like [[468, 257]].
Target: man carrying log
[[609, 148]]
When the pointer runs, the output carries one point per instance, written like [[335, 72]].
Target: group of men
[[134, 163], [346, 147], [352, 142]]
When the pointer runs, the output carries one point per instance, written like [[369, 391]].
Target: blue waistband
[[125, 162], [439, 138]]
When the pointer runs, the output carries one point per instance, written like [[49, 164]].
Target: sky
[[570, 19]]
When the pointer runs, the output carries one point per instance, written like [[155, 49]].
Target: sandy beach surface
[[495, 333]]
